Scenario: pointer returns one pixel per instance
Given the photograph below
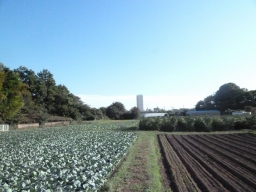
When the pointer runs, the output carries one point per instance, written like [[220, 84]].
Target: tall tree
[[115, 110], [61, 101], [28, 77], [135, 113], [11, 92], [200, 105], [210, 103], [229, 96], [45, 90]]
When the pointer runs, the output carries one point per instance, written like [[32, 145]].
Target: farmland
[[223, 162], [79, 157], [112, 156]]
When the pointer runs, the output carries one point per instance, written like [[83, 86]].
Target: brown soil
[[214, 165], [165, 172]]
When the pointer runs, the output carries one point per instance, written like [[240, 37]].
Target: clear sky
[[173, 52]]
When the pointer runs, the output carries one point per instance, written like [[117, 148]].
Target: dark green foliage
[[218, 124], [150, 123], [181, 124], [203, 124], [190, 124], [169, 124], [134, 113], [198, 124], [229, 97], [240, 123], [251, 122], [11, 93], [115, 111], [46, 98]]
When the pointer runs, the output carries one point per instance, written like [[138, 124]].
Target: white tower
[[140, 102]]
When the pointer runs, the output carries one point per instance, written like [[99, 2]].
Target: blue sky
[[173, 52]]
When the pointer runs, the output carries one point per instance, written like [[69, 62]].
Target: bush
[[150, 123], [168, 124], [218, 124], [198, 124], [240, 123], [251, 122], [229, 122], [190, 123], [203, 124], [181, 124]]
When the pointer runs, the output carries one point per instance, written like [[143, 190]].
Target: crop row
[[198, 124], [208, 162], [60, 159]]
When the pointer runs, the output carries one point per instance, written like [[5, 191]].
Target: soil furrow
[[237, 138], [181, 180], [248, 137], [226, 178], [237, 145], [240, 151], [205, 181], [238, 171]]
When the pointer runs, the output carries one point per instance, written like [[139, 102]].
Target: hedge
[[198, 124]]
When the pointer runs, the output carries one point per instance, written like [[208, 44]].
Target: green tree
[[115, 110], [97, 113], [61, 101], [28, 77], [210, 103], [104, 110], [229, 96], [11, 93], [135, 113], [200, 105], [45, 90]]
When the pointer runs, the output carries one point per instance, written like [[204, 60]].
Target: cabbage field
[[74, 158]]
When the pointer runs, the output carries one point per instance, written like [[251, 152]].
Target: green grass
[[140, 171], [153, 168]]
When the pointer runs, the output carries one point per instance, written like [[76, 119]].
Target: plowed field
[[223, 162]]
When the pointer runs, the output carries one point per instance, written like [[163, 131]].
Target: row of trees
[[29, 97], [229, 97]]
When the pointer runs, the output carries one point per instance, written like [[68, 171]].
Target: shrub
[[203, 124], [190, 123], [251, 122], [181, 124], [150, 123], [240, 123], [218, 124], [229, 122], [168, 124]]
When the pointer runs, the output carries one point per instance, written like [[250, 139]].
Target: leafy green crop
[[60, 159]]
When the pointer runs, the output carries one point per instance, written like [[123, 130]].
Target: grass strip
[[140, 170]]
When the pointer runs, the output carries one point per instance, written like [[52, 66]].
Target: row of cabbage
[[60, 159], [198, 123]]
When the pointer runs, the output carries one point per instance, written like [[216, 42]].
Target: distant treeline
[[228, 98], [27, 97]]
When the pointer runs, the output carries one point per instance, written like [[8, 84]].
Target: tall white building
[[140, 102]]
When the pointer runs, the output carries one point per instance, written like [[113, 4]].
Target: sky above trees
[[175, 53]]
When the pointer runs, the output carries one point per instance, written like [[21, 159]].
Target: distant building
[[241, 113], [156, 109], [149, 110], [140, 102], [155, 115], [203, 112]]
